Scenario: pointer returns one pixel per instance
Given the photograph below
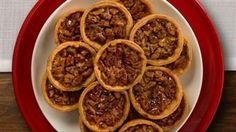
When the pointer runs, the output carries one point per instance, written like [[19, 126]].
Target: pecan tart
[[137, 8], [68, 27], [119, 65], [182, 64], [70, 66], [141, 125], [175, 118], [61, 100], [160, 37], [158, 94], [103, 110], [105, 21]]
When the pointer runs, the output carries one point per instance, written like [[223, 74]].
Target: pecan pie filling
[[174, 117], [104, 108], [119, 65], [137, 8], [155, 92], [158, 37], [69, 29], [105, 24], [72, 66], [61, 98], [141, 128]]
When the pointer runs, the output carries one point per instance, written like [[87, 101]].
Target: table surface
[[12, 120]]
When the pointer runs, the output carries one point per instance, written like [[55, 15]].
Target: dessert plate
[[22, 68]]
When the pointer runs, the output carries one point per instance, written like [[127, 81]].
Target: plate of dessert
[[117, 65]]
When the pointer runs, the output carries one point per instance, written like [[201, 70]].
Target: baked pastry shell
[[171, 108], [178, 50], [94, 127], [104, 3], [112, 43], [56, 83]]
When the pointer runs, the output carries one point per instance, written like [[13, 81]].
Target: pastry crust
[[141, 69], [53, 55], [59, 25], [155, 94], [83, 128], [105, 3], [135, 9], [62, 108], [174, 35], [183, 111], [95, 127], [183, 63], [139, 122]]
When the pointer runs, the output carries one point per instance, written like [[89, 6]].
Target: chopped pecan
[[104, 108]]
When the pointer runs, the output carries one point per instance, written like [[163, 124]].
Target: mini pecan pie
[[70, 66], [140, 125], [119, 65], [137, 8], [182, 64], [158, 94], [160, 37], [61, 100], [105, 21], [103, 110], [68, 27], [175, 118]]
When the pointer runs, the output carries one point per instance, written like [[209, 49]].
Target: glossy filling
[[69, 29], [141, 128], [105, 24], [137, 8], [104, 108], [158, 38], [155, 92], [174, 117], [72, 66], [119, 65], [182, 61], [60, 97]]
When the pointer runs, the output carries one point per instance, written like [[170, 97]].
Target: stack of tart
[[119, 63]]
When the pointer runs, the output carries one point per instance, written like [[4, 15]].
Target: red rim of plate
[[202, 26]]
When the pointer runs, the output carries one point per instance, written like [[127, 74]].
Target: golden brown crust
[[138, 13], [55, 82], [173, 104], [113, 43], [95, 127], [61, 20], [178, 49], [83, 128], [183, 63], [136, 122], [104, 3], [64, 108], [181, 119]]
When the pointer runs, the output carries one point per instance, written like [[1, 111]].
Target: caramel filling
[[141, 128], [174, 117], [60, 97], [155, 92], [69, 29], [137, 8], [72, 66], [158, 38], [119, 65], [182, 61], [104, 108], [105, 24]]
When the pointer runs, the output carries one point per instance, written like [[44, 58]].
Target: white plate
[[192, 81]]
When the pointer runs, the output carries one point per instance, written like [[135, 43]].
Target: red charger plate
[[202, 26]]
